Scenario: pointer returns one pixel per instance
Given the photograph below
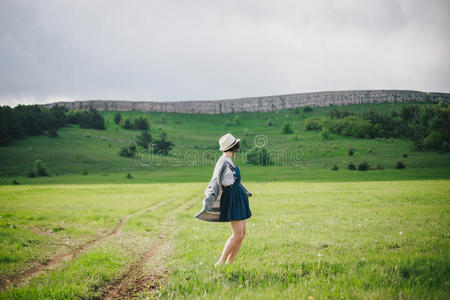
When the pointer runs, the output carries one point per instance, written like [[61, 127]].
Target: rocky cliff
[[267, 103]]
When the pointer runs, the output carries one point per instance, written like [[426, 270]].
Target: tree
[[89, 119], [127, 124], [144, 140], [141, 123], [162, 146], [117, 117]]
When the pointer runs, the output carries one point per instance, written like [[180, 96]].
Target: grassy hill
[[302, 155]]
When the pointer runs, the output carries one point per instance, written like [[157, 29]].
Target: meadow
[[89, 232], [325, 240], [304, 153]]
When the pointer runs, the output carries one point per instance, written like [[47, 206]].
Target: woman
[[227, 199]]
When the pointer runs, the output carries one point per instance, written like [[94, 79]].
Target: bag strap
[[231, 166]]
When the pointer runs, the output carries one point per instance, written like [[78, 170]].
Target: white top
[[228, 177]]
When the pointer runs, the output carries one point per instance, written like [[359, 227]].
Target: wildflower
[[400, 232], [319, 254]]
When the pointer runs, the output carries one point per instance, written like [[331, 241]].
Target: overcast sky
[[193, 50]]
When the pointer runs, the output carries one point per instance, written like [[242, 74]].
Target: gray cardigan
[[211, 203]]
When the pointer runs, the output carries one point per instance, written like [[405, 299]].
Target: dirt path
[[28, 274], [136, 279]]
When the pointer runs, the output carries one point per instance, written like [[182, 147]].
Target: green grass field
[[314, 234], [338, 240]]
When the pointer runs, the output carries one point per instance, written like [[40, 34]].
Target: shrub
[[117, 117], [287, 129], [15, 182], [52, 132], [351, 151], [334, 168], [337, 113], [297, 111], [127, 124], [127, 151], [351, 126], [400, 165], [228, 123], [237, 121], [129, 176], [405, 155], [31, 174], [269, 122], [39, 168], [364, 166], [258, 156], [325, 133], [314, 123], [307, 108], [379, 167], [85, 172], [351, 166], [245, 132]]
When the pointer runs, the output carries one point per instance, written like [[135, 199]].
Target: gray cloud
[[186, 50]]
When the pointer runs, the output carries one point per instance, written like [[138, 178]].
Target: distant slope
[[302, 155], [260, 104]]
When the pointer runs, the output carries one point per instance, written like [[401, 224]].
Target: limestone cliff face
[[254, 104]]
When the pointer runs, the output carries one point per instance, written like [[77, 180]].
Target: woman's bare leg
[[236, 248], [234, 240]]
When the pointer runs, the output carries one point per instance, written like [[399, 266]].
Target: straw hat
[[227, 141]]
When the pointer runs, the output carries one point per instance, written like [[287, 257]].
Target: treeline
[[32, 120], [427, 126], [86, 119]]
